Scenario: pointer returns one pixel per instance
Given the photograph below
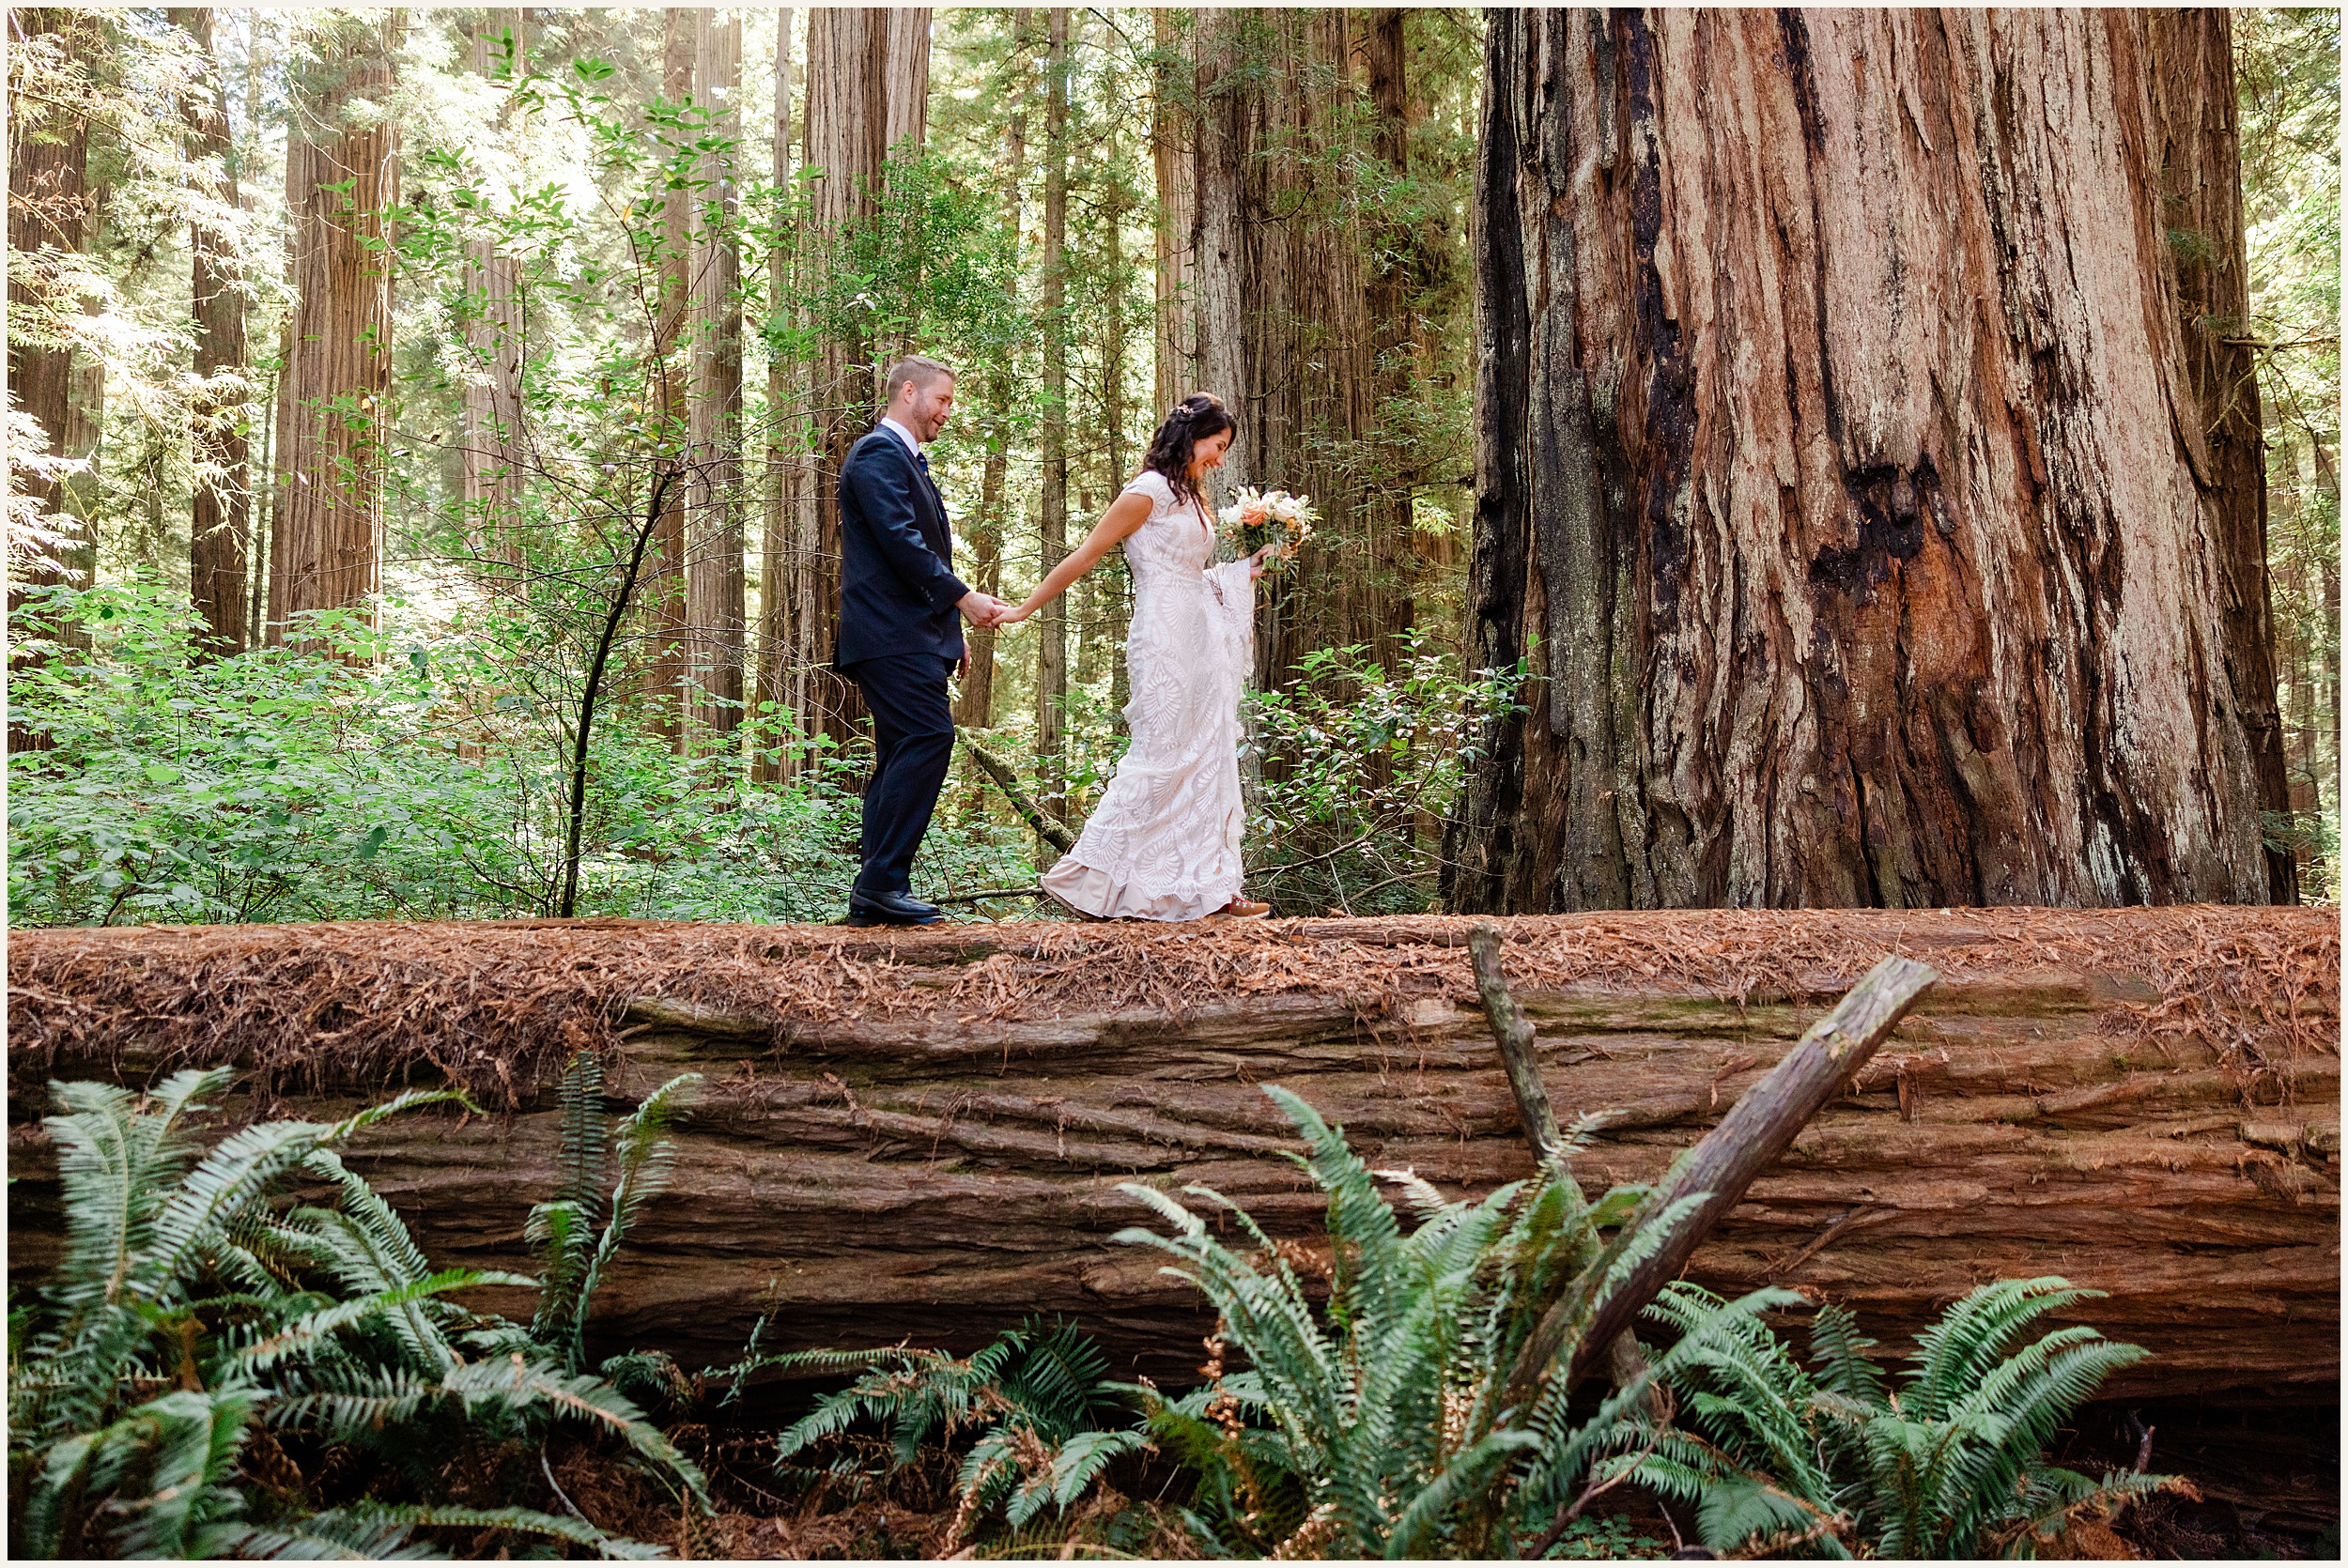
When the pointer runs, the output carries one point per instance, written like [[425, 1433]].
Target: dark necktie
[[922, 461]]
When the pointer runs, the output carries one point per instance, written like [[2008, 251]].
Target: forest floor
[[2265, 1486]]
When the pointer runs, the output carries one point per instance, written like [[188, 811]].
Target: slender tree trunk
[[491, 427], [221, 518], [665, 590], [776, 575], [2195, 108], [1115, 601], [1174, 156], [1051, 666], [714, 570], [1386, 507], [342, 175], [1839, 474], [974, 705]]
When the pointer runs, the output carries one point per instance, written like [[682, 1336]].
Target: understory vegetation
[[241, 1351], [418, 771]]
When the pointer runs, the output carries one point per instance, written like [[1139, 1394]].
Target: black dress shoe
[[889, 909]]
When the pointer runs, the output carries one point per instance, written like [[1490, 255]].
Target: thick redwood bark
[[1279, 308], [1173, 143], [922, 1134], [2195, 113], [1840, 473], [342, 175]]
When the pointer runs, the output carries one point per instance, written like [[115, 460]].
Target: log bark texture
[[922, 1134], [1843, 477], [342, 175]]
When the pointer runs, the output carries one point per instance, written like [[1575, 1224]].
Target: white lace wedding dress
[[1164, 842]]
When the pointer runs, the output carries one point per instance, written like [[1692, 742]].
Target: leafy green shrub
[[200, 1314], [1360, 769], [1828, 1458], [1384, 1426]]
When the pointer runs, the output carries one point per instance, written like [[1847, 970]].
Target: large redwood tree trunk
[[1842, 478], [1278, 305], [342, 175]]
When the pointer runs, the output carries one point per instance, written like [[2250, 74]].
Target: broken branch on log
[[1756, 1130], [1006, 779], [1515, 1039], [1514, 1034]]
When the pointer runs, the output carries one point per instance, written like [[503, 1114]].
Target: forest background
[[434, 524]]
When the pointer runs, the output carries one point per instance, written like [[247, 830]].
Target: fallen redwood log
[[920, 1134]]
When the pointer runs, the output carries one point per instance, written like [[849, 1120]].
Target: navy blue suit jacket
[[897, 585]]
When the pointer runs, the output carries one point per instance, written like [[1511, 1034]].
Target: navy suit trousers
[[913, 735]]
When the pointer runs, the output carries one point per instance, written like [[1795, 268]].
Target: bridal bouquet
[[1255, 516]]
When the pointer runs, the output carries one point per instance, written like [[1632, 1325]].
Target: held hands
[[985, 609]]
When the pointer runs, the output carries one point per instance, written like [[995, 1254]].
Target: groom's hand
[[983, 610]]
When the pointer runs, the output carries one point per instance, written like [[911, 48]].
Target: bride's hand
[[1255, 563], [1016, 614]]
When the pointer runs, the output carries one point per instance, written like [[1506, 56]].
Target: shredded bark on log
[[928, 1136]]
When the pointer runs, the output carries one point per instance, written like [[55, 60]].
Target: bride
[[1164, 844]]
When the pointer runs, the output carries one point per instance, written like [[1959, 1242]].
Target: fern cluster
[[202, 1317], [1385, 1425], [1038, 1398], [1827, 1459]]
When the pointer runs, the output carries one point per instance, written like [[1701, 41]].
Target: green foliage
[[408, 773], [200, 1311], [1383, 1423], [1037, 1398], [1828, 1459], [1361, 768]]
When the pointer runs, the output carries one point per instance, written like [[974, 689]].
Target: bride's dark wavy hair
[[1192, 420]]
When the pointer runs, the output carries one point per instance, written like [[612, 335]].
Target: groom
[[900, 635]]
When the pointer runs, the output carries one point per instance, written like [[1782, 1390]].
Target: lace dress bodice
[[1164, 842]]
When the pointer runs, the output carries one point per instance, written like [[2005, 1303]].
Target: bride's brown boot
[[1242, 909]]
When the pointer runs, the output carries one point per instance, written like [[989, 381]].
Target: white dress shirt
[[902, 434]]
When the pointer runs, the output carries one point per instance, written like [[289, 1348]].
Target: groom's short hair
[[919, 369]]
